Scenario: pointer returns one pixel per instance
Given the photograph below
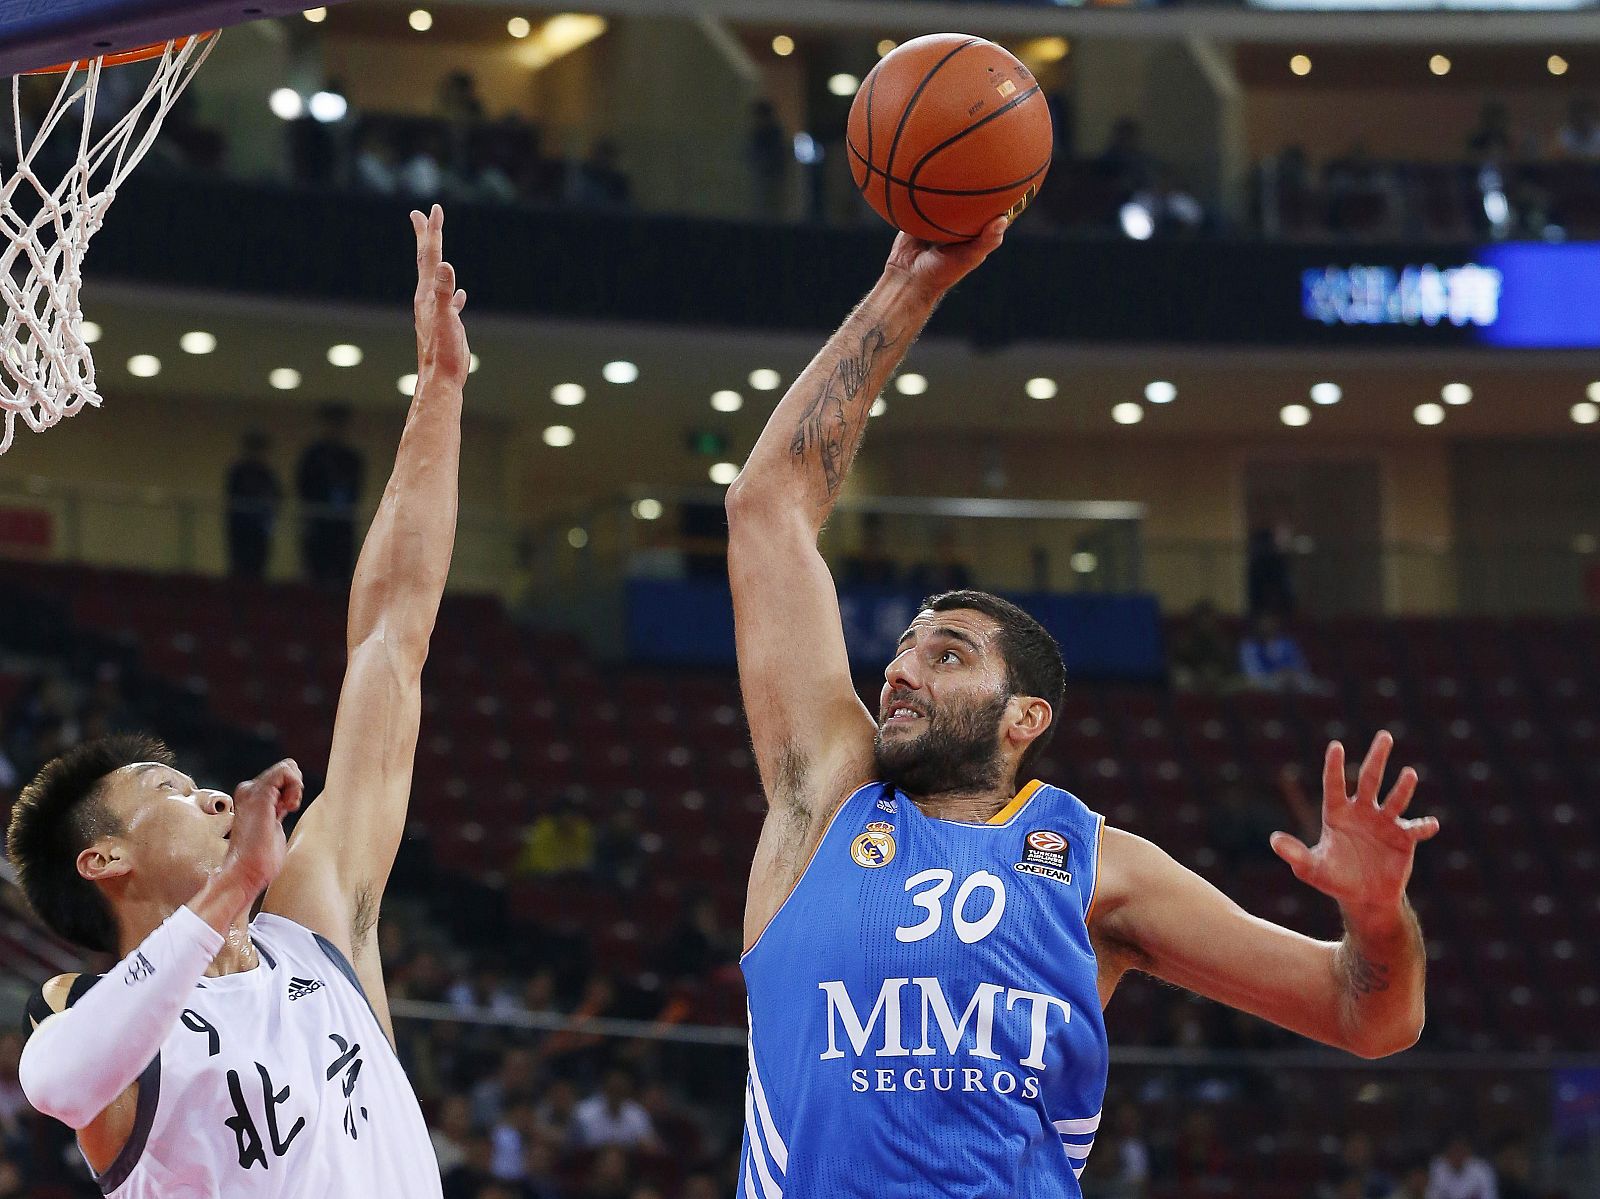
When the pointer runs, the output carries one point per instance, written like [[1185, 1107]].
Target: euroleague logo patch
[[1044, 853], [875, 847]]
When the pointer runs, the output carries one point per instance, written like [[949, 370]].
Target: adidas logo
[[299, 988]]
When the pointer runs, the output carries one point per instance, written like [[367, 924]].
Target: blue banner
[[690, 623]]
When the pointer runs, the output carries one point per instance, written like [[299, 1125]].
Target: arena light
[[420, 19], [1300, 64], [885, 45], [783, 45], [197, 341], [723, 473], [1585, 412], [1556, 65], [879, 407], [1439, 65], [1083, 562], [1160, 392], [284, 378], [1326, 393], [621, 372], [286, 104], [144, 366], [568, 395], [1296, 416], [1456, 394], [1592, 391], [843, 84], [727, 401], [647, 509], [577, 537], [407, 385], [559, 37], [765, 379], [1040, 388], [1429, 414], [1127, 413], [327, 107], [473, 363], [345, 354], [91, 332], [519, 27], [315, 15], [1136, 220], [559, 436], [911, 384]]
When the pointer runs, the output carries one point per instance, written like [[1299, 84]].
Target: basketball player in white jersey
[[845, 927], [225, 1056]]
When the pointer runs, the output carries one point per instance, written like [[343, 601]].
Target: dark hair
[[57, 817], [1032, 657]]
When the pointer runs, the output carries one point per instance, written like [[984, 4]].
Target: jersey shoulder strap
[[38, 1008]]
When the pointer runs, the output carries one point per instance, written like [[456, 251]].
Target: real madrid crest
[[875, 847]]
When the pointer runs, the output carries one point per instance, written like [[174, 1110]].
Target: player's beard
[[958, 751]]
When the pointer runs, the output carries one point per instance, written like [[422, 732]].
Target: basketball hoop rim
[[124, 57]]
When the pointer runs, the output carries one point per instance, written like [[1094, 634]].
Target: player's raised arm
[[812, 737], [344, 846], [1363, 993]]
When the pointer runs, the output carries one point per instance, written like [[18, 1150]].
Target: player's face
[[174, 833], [942, 702]]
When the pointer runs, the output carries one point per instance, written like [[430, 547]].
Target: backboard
[[41, 33]]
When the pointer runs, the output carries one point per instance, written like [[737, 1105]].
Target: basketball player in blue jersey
[[931, 933], [240, 1057]]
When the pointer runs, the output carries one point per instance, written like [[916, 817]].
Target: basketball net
[[46, 369]]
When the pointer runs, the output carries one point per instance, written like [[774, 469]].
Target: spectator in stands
[[1363, 194], [472, 1175], [513, 1083], [1204, 657], [1413, 1184], [1199, 1158], [871, 565], [1354, 1174], [1238, 826], [328, 484], [1124, 160], [1579, 136], [560, 842], [12, 1184], [1173, 210], [1129, 1176], [254, 496], [553, 1117], [1268, 585], [609, 1176], [700, 943], [769, 155], [947, 571], [457, 101], [619, 850], [1491, 140], [539, 1174], [1513, 1167], [13, 1106], [452, 1133], [1458, 1173], [511, 1137], [425, 174], [500, 1190], [376, 167], [1272, 660], [613, 1117], [598, 181]]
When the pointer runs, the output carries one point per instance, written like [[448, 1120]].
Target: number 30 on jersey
[[928, 888]]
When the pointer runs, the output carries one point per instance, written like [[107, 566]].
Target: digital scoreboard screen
[[1514, 296]]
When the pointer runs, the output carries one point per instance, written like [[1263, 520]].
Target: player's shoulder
[[56, 995]]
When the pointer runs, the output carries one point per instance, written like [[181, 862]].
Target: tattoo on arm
[[832, 426], [1366, 976]]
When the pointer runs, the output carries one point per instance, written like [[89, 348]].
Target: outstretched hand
[[934, 268], [441, 337], [1364, 857]]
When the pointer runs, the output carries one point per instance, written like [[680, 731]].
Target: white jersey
[[277, 1083]]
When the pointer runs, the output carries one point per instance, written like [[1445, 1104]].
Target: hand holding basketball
[[441, 337], [934, 269], [1363, 858]]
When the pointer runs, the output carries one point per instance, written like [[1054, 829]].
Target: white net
[[46, 368]]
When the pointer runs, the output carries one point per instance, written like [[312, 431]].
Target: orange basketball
[[947, 133]]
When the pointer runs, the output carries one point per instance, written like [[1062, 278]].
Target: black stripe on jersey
[[343, 966]]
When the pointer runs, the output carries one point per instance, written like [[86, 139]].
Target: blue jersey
[[924, 1007]]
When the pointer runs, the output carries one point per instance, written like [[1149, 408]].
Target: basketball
[[947, 133]]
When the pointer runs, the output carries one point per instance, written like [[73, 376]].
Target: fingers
[[430, 240], [444, 280], [1377, 760], [458, 301], [1293, 851], [1425, 829], [1333, 774], [1399, 797]]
